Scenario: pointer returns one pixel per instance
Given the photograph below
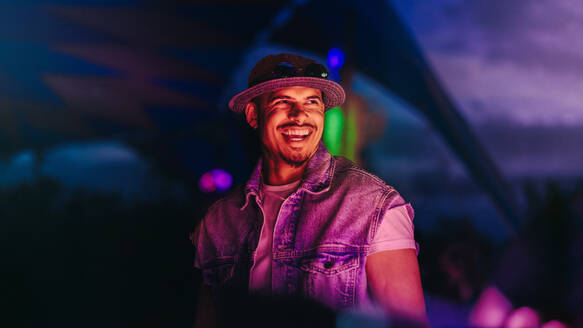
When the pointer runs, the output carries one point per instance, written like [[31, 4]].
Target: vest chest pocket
[[327, 263], [327, 275]]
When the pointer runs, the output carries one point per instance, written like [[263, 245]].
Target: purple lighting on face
[[222, 179], [207, 183]]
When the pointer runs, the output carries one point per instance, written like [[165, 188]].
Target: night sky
[[513, 68]]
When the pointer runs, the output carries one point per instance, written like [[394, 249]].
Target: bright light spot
[[222, 179], [207, 183], [522, 317], [351, 135], [333, 125], [215, 180], [553, 324], [335, 59], [490, 310]]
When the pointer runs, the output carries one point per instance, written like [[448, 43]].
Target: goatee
[[296, 161]]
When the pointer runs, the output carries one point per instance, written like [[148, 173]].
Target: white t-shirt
[[395, 232], [260, 275]]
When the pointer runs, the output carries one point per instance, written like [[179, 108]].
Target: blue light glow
[[335, 59]]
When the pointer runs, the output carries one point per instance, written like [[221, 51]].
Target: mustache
[[293, 124]]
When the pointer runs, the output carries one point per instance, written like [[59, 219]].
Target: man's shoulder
[[225, 218], [353, 179], [350, 174], [234, 199]]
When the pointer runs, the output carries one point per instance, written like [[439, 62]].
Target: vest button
[[328, 264]]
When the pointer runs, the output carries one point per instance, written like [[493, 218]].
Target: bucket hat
[[284, 70]]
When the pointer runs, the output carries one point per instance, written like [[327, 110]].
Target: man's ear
[[251, 113]]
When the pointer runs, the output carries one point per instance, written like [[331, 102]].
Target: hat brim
[[333, 93]]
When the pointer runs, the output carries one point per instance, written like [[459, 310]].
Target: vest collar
[[316, 179]]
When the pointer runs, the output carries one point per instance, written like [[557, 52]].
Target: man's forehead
[[296, 91]]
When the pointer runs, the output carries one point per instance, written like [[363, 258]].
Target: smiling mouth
[[296, 134]]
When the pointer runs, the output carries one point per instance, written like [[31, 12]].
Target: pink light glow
[[215, 180], [553, 324], [490, 310], [207, 183], [522, 317]]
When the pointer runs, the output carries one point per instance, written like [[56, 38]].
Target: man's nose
[[297, 112]]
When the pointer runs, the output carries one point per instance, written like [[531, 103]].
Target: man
[[306, 223]]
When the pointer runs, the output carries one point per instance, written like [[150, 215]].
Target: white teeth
[[293, 133]]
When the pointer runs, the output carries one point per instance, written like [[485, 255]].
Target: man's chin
[[297, 162], [296, 159], [295, 156]]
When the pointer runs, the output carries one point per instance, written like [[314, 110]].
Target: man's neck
[[278, 173]]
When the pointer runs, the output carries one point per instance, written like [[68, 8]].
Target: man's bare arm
[[395, 284]]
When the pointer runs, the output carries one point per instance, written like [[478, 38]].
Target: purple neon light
[[335, 59], [222, 179], [215, 180]]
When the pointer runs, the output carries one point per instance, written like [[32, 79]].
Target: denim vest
[[321, 238]]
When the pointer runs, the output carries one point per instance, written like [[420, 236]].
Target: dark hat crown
[[268, 64], [274, 72]]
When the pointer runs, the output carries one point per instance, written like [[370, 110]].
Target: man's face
[[290, 123]]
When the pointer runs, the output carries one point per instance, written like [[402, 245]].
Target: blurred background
[[115, 137]]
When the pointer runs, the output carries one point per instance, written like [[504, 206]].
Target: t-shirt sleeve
[[395, 230]]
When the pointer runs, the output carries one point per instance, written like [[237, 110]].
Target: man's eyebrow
[[288, 97], [279, 97]]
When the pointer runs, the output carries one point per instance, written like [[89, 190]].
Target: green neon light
[[333, 125], [351, 135]]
